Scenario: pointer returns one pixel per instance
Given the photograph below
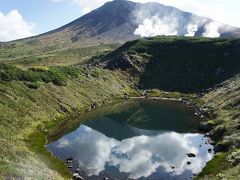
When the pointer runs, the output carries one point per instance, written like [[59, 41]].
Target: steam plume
[[211, 30], [192, 29], [152, 20], [156, 26]]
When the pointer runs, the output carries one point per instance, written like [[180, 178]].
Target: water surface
[[138, 139]]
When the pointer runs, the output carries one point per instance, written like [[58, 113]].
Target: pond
[[137, 139]]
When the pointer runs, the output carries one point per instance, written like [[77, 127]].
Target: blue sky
[[45, 14], [22, 18]]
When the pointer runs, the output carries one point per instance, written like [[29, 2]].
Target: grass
[[215, 166], [26, 56], [226, 132], [25, 112], [45, 88], [36, 143], [171, 95]]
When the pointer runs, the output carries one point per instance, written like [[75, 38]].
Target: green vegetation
[[215, 166], [155, 93], [42, 85], [56, 75], [224, 101], [26, 55], [97, 58], [192, 65], [178, 63], [171, 95], [27, 115]]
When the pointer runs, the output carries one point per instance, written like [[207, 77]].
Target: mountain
[[46, 90], [121, 20]]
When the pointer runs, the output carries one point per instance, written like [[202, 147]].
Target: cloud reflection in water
[[138, 156]]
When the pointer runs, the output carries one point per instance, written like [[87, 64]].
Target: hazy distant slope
[[109, 23], [121, 20]]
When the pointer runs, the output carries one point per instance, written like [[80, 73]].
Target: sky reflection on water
[[148, 153]]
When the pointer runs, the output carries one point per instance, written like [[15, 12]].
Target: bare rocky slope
[[117, 21]]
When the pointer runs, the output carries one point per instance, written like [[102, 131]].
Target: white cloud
[[13, 26]]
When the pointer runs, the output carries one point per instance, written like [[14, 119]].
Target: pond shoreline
[[153, 101], [188, 102], [182, 99], [157, 98]]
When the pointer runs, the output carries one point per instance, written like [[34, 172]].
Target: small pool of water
[[138, 139]]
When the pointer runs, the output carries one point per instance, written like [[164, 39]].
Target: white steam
[[157, 26], [192, 29], [152, 21], [211, 30]]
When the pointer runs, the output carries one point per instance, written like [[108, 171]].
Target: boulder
[[76, 176], [69, 160], [205, 127], [191, 155]]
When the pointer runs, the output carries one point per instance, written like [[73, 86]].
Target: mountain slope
[[225, 103], [26, 112], [114, 23], [122, 20], [109, 23], [177, 63]]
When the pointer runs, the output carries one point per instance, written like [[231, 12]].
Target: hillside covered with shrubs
[[178, 63]]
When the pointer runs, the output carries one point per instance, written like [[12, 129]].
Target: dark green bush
[[56, 75], [4, 76], [32, 85], [69, 71]]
